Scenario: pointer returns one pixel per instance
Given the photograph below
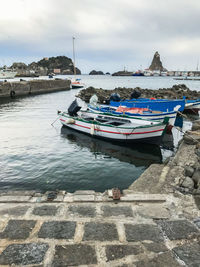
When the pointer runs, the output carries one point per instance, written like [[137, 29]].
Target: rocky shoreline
[[175, 92], [181, 173]]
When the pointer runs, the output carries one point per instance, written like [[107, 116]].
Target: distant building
[[57, 71], [46, 58]]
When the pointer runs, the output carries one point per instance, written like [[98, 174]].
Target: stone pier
[[25, 88], [91, 229]]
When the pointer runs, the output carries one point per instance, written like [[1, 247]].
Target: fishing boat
[[142, 113], [7, 74], [75, 83], [192, 106], [164, 105], [108, 126]]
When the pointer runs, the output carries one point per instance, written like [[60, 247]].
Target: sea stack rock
[[95, 72], [156, 63]]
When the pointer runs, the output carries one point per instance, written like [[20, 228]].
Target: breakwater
[[175, 92], [25, 88]]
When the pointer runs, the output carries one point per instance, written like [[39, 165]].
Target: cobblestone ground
[[88, 229]]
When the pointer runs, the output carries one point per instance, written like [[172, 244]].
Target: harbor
[[59, 202], [155, 221], [35, 114], [99, 134]]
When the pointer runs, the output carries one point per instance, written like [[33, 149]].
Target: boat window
[[101, 120], [115, 123], [88, 118], [114, 119]]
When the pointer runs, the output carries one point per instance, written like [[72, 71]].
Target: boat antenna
[[73, 38]]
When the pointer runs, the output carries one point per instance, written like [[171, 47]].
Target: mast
[[73, 38], [197, 64]]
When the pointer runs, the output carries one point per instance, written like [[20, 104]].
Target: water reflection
[[136, 154]]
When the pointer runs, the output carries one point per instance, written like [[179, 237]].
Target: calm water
[[36, 155]]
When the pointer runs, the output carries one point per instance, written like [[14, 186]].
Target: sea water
[[34, 155]]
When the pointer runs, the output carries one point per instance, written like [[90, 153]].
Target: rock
[[197, 152], [196, 177], [196, 191], [156, 63], [123, 73], [196, 125], [94, 72], [188, 183], [176, 175], [191, 138], [62, 65], [189, 171], [197, 222], [125, 93]]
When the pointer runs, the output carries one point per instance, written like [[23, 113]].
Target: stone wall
[[180, 174], [23, 88]]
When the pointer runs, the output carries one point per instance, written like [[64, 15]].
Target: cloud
[[109, 34]]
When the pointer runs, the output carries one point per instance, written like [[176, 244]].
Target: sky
[[110, 35]]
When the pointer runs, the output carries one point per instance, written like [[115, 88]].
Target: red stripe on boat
[[115, 132]]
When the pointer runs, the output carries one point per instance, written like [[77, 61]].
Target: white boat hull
[[146, 133], [7, 74], [192, 106], [76, 86], [154, 116]]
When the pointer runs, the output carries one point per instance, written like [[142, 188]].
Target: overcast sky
[[110, 34]]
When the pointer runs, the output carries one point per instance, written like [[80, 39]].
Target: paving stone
[[179, 229], [73, 255], [23, 254], [116, 211], [45, 210], [85, 211], [141, 232], [114, 252], [18, 229], [156, 211], [57, 230], [100, 231], [14, 198], [84, 192], [155, 247], [16, 211], [18, 193], [83, 198], [144, 197], [68, 198], [165, 259], [189, 253]]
